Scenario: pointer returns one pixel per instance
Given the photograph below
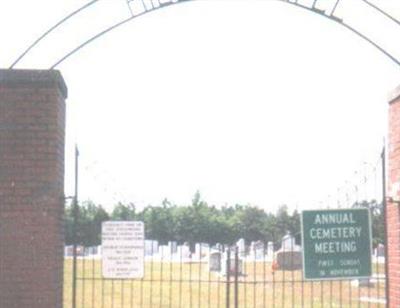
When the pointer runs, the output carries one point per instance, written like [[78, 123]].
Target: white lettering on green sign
[[334, 218], [335, 247], [335, 233]]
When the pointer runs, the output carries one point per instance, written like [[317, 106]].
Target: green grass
[[192, 285]]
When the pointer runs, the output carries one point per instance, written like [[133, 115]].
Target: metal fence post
[[74, 231], [228, 277], [383, 160], [236, 288]]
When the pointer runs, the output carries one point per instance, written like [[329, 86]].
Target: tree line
[[198, 222]]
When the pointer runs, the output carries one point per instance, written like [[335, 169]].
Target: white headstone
[[205, 249], [241, 244], [363, 282], [148, 248], [165, 251], [288, 243], [183, 251], [200, 251], [270, 248], [214, 261], [257, 250], [173, 247], [92, 251], [155, 247], [218, 247]]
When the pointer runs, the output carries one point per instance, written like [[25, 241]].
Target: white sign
[[122, 249]]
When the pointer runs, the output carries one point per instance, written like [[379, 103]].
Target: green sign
[[336, 243]]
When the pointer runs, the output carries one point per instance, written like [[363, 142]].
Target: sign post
[[123, 249], [336, 244]]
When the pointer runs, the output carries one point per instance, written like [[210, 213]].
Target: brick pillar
[[32, 120], [393, 193]]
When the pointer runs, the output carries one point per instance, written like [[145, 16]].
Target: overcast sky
[[252, 102]]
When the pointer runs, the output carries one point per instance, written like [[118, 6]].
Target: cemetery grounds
[[191, 284]]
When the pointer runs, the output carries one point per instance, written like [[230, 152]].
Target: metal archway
[[139, 8]]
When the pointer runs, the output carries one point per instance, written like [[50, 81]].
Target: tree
[[124, 212], [159, 223], [252, 223], [193, 223], [88, 224]]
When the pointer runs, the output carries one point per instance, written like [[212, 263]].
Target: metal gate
[[253, 279], [255, 275]]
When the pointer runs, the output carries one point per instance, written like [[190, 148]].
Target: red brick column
[[393, 193], [32, 120]]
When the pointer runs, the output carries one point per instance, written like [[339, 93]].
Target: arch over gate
[[138, 8]]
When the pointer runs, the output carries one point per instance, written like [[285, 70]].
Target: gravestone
[[289, 243], [241, 245], [270, 248], [289, 260], [173, 247], [155, 247], [69, 251], [214, 261], [363, 283], [257, 250], [165, 252], [205, 249], [233, 267], [201, 250], [219, 247], [183, 251], [80, 251], [150, 247], [289, 257], [92, 251]]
